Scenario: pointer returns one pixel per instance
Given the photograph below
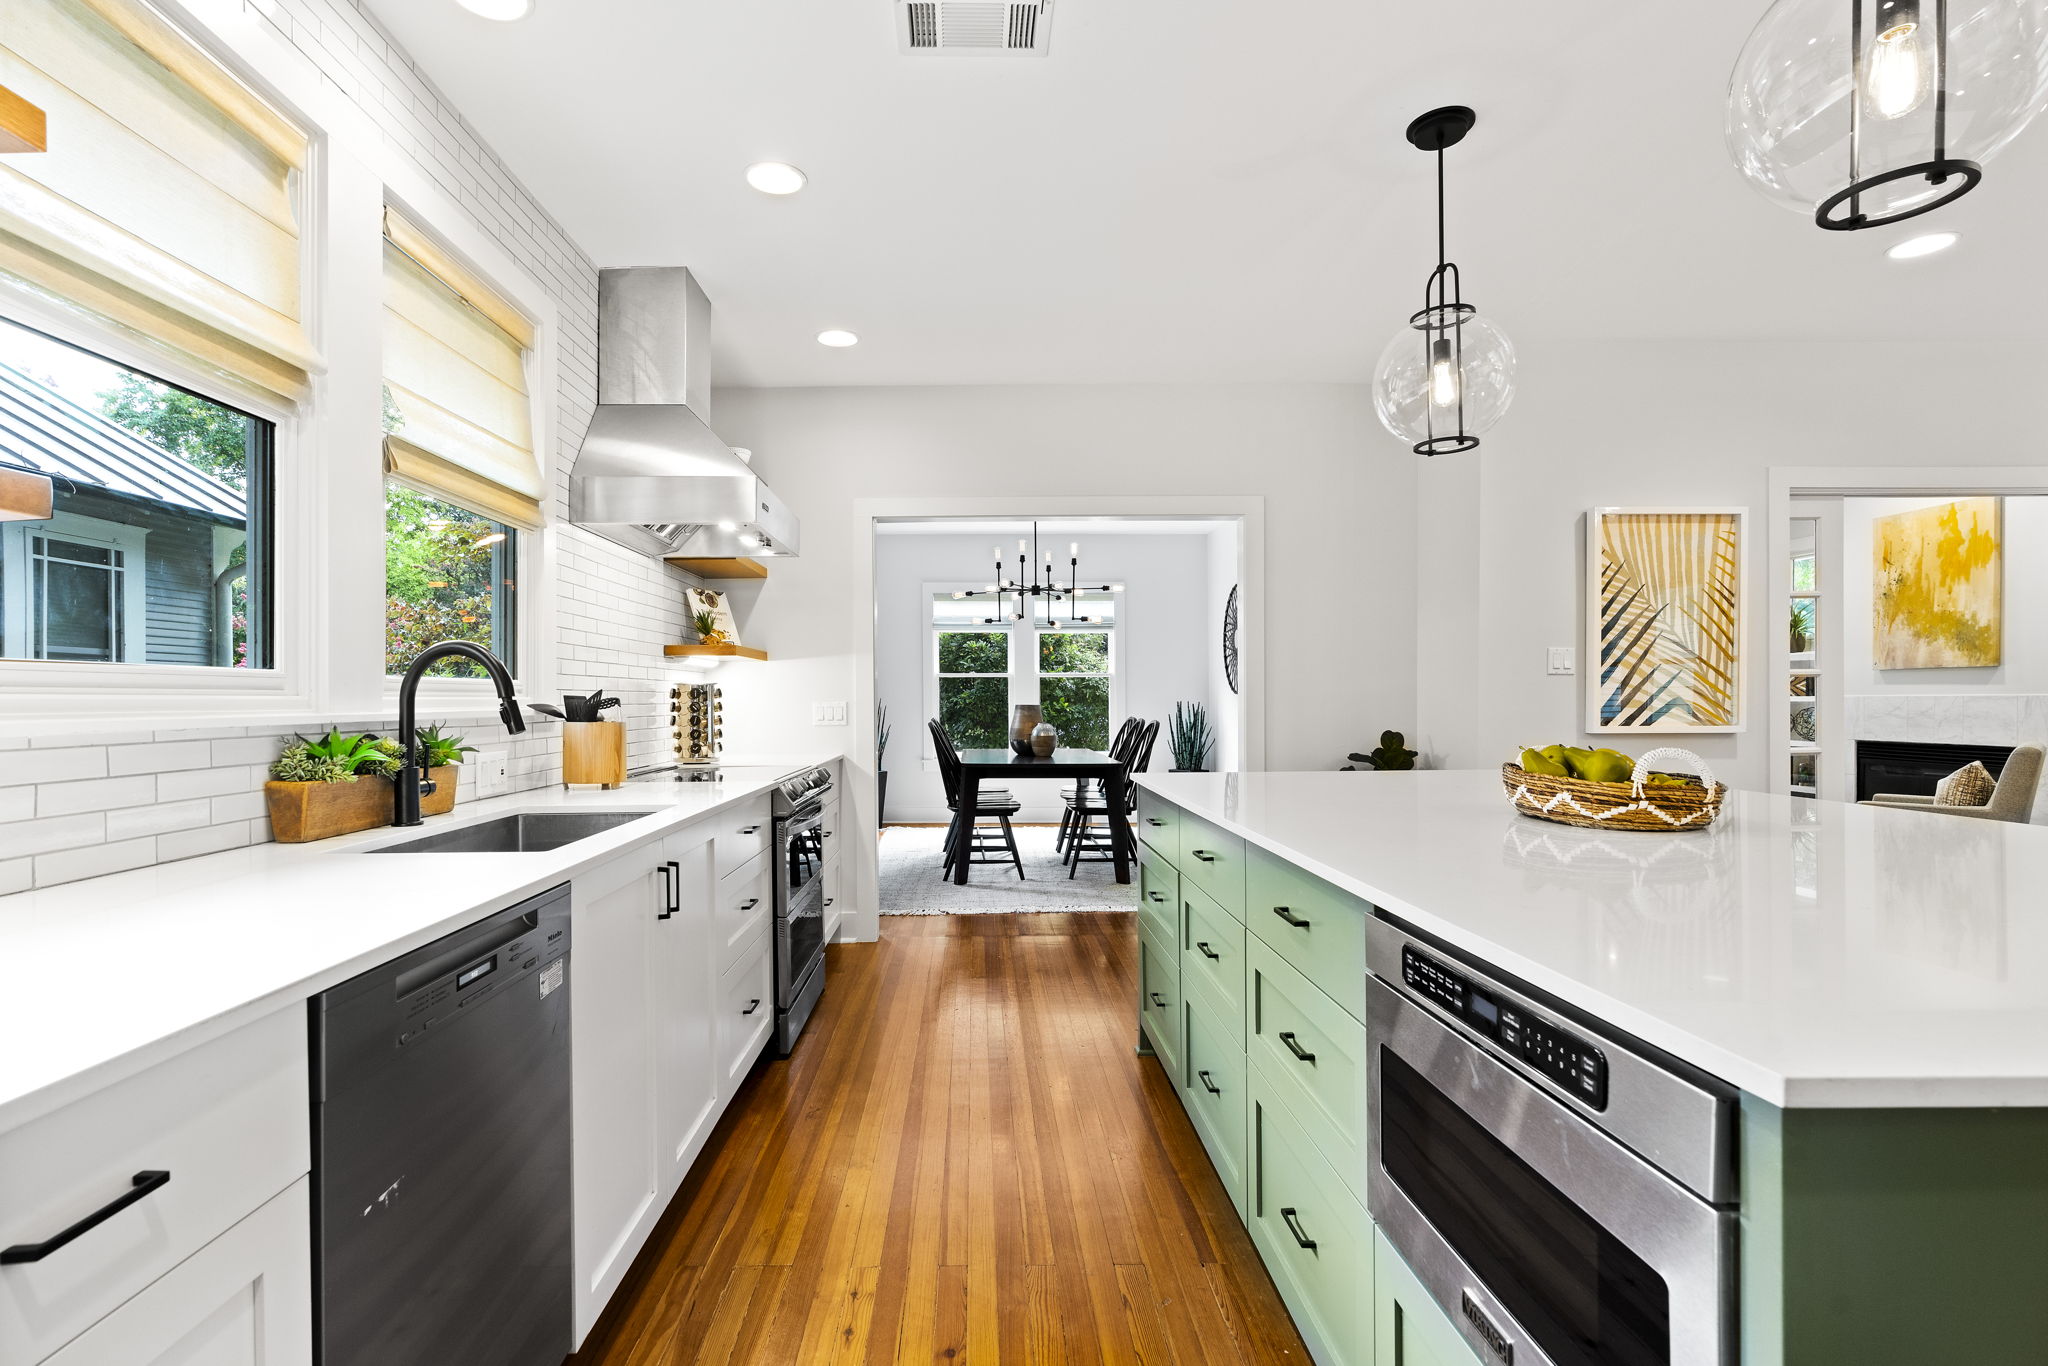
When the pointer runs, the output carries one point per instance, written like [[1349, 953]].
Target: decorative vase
[[1024, 719], [1044, 740]]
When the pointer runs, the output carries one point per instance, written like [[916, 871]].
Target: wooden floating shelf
[[22, 125], [713, 652], [738, 568]]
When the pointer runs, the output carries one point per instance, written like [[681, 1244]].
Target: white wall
[[1225, 547], [1165, 646], [1646, 423]]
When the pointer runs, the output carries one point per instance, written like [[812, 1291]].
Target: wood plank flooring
[[965, 1163]]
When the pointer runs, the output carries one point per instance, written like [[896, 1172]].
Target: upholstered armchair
[[2012, 801]]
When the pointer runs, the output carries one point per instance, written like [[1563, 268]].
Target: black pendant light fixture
[[1449, 374], [1866, 113], [1029, 593]]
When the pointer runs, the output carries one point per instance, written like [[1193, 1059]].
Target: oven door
[[799, 944], [803, 852], [1545, 1241]]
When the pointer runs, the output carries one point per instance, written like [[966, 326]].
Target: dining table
[[1072, 765]]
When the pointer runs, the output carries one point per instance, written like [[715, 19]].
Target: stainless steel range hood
[[652, 475]]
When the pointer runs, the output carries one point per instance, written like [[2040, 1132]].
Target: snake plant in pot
[[881, 752], [1189, 737]]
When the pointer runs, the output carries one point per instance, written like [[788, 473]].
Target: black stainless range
[[798, 849]]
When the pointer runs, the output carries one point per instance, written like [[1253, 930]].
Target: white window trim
[[130, 541], [1023, 672]]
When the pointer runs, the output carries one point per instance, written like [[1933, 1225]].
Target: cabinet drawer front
[[745, 907], [746, 1010], [247, 1296], [1315, 1055], [1212, 960], [1317, 928], [1408, 1326], [1296, 1199], [1213, 860], [1159, 824], [742, 832], [828, 826], [1159, 998], [227, 1121], [1214, 1095], [1158, 892]]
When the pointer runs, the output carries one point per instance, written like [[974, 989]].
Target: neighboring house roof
[[46, 431]]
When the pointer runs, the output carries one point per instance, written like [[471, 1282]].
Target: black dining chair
[[984, 845], [1119, 749], [1089, 845]]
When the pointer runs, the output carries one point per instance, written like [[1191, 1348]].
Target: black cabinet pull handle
[[750, 830], [1290, 917], [1307, 1243], [828, 901], [1205, 856], [752, 1006], [1154, 820], [1155, 999], [668, 873], [1157, 896], [1287, 1038], [1212, 1088], [144, 1183], [1208, 952], [750, 903], [826, 833]]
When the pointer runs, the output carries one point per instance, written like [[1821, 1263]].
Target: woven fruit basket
[[1634, 805]]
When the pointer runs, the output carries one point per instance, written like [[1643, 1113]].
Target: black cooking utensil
[[547, 710]]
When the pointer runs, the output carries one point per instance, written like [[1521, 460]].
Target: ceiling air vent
[[1013, 27]]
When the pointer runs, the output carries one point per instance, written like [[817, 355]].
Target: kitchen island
[[1870, 989]]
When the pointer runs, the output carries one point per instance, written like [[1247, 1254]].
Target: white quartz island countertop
[[112, 974], [1812, 953]]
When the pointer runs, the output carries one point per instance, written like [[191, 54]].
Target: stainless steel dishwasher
[[441, 1151]]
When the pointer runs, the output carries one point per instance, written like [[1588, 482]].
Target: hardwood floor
[[965, 1162]]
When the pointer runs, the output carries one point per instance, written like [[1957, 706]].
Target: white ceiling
[[1189, 190]]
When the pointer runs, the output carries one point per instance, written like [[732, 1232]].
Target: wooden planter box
[[441, 800], [303, 812]]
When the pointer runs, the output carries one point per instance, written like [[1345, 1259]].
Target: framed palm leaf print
[[1664, 619]]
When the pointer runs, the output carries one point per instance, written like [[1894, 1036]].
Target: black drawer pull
[[144, 1183], [752, 1006], [750, 830], [1205, 856], [1287, 1038], [1154, 820], [1290, 917], [1307, 1243], [826, 834], [1155, 1000], [828, 901], [1208, 952], [670, 872], [1210, 1086], [1157, 896], [750, 903]]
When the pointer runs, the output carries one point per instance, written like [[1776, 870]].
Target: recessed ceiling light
[[834, 336], [505, 10], [1924, 245], [773, 177]]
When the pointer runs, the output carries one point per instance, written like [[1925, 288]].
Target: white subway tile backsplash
[[48, 836], [209, 839], [17, 803], [240, 806], [136, 821], [256, 749], [16, 875], [207, 782], [95, 794], [51, 765], [52, 869], [166, 757]]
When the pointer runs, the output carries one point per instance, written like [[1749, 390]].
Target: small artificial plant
[[335, 758], [439, 751], [881, 734], [706, 623], [1392, 756], [1189, 736]]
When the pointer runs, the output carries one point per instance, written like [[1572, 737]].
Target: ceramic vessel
[[1024, 719], [1044, 740]]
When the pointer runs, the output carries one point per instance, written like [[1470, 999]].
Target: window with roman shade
[[167, 202], [458, 420]]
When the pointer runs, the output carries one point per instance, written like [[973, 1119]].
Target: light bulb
[[728, 526], [1899, 76], [1443, 374], [1074, 551]]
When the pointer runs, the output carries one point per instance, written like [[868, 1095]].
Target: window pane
[[168, 492], [448, 575], [1073, 653], [974, 712], [1803, 625], [1078, 708], [977, 652]]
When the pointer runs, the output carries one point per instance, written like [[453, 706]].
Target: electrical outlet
[[493, 772], [1561, 661], [828, 713]]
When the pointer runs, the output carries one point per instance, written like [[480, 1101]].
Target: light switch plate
[[828, 713], [493, 772], [1561, 661]]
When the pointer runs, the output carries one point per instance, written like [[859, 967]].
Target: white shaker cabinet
[[684, 960]]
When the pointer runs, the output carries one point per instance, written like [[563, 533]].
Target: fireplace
[[1912, 770]]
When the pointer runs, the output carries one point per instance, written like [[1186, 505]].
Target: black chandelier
[[1028, 561]]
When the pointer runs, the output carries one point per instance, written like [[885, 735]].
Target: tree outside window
[[974, 688], [448, 575], [1073, 686]]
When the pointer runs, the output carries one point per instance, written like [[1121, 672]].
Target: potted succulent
[[439, 756], [1189, 737], [881, 774], [1392, 756], [316, 788]]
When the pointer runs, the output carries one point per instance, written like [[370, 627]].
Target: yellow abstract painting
[[1939, 594]]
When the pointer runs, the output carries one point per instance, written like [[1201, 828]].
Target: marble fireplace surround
[[1954, 719]]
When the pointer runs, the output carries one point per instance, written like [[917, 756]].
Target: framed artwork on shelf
[[698, 603], [1664, 619], [1938, 586]]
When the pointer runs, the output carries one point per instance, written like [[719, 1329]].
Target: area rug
[[912, 885]]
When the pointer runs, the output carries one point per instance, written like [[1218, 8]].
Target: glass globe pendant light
[[1869, 112], [1449, 374]]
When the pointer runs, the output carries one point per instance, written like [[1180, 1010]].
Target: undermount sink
[[527, 832]]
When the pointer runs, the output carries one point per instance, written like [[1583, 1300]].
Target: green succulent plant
[[1189, 737], [1392, 756], [296, 765], [438, 750], [355, 754]]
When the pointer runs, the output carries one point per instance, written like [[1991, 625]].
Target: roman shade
[[458, 418], [167, 201]]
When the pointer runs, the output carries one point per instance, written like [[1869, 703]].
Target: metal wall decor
[[1865, 113], [1029, 594], [1230, 639], [1449, 374]]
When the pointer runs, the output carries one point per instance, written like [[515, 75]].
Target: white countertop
[[111, 974], [1814, 954]]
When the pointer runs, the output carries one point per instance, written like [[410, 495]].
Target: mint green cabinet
[[1159, 999], [1213, 1093], [1314, 926], [1159, 824], [1314, 1053], [1410, 1330], [1213, 859], [1158, 893], [1212, 959], [1312, 1233]]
